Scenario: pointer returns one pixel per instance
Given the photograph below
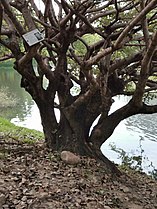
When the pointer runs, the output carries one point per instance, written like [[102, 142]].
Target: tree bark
[[71, 134], [49, 123]]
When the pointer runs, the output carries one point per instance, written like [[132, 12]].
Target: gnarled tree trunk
[[72, 133], [95, 68]]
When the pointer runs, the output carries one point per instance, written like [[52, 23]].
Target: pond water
[[137, 135]]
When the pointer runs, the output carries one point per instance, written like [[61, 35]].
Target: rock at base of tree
[[107, 207], [70, 158]]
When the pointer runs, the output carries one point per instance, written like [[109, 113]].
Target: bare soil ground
[[31, 177]]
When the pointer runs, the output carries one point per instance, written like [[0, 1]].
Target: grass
[[25, 135]]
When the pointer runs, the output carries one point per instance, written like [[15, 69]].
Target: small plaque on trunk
[[33, 37]]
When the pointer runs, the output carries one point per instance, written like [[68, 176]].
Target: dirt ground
[[33, 178]]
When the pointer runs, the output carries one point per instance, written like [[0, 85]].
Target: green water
[[10, 83]]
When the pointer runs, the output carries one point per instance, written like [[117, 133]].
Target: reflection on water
[[146, 124], [31, 120], [132, 134], [25, 113]]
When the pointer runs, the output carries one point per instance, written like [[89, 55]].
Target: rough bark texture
[[123, 54]]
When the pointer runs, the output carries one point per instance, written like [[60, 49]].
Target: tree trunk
[[70, 134], [72, 131], [49, 123]]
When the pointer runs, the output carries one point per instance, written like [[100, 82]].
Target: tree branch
[[85, 20], [37, 11], [138, 18], [32, 51], [1, 17], [145, 25], [12, 17], [121, 39], [122, 63], [145, 68], [50, 13], [6, 57], [148, 109]]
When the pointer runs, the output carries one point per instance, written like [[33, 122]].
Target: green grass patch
[[25, 135]]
